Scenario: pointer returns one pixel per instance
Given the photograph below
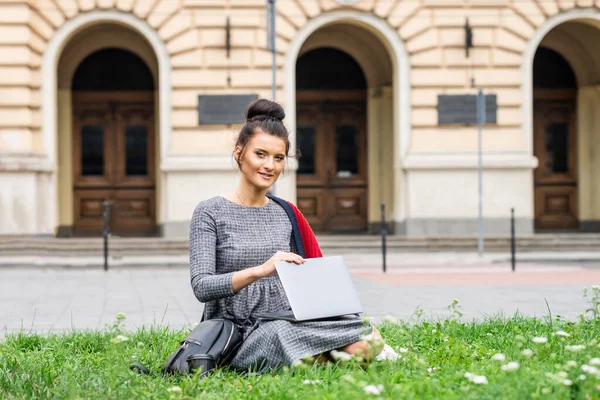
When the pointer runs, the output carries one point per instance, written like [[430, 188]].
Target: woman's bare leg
[[361, 348], [365, 349], [322, 358]]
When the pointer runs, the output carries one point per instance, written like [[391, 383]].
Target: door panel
[[347, 209], [113, 153], [556, 176], [556, 207], [332, 179], [89, 210], [312, 203], [92, 144], [135, 147], [134, 212]]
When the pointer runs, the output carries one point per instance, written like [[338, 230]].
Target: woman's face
[[262, 160]]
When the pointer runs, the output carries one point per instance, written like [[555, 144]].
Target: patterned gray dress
[[226, 237]]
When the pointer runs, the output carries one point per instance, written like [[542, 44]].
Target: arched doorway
[[331, 135], [345, 99], [566, 101], [555, 146], [113, 144]]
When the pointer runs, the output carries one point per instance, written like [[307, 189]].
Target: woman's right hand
[[268, 268]]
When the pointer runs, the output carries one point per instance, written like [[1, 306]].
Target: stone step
[[19, 245]]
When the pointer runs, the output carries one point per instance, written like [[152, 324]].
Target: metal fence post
[[512, 239], [383, 237], [106, 231]]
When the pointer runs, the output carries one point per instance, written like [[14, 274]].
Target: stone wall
[[193, 31]]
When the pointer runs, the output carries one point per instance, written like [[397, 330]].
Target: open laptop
[[321, 288]]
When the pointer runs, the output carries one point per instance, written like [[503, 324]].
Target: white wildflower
[[174, 389], [590, 370], [488, 334], [119, 339], [562, 374], [561, 333], [120, 316], [596, 287], [527, 353], [390, 319], [340, 355], [567, 382], [349, 378], [309, 382], [575, 348], [372, 389], [402, 350], [387, 353], [571, 363], [540, 339], [581, 377], [431, 369], [499, 357], [433, 331], [546, 391], [477, 379], [595, 361], [511, 366]]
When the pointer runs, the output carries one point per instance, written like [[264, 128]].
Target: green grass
[[92, 365]]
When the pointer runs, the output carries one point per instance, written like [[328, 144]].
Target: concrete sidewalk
[[57, 299], [369, 260]]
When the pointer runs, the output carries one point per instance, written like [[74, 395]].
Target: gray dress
[[226, 237]]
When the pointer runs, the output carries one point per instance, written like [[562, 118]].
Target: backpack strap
[[295, 228]]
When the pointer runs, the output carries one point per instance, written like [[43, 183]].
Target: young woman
[[235, 241]]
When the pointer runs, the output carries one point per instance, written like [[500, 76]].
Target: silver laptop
[[321, 288]]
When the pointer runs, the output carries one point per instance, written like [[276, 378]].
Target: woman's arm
[[206, 283]]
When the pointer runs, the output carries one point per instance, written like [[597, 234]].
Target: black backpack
[[212, 344]]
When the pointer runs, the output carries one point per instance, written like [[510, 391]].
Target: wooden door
[[332, 175], [555, 179], [113, 159]]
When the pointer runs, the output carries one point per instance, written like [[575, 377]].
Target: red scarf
[[311, 246]]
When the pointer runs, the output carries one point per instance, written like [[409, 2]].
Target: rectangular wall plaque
[[462, 109], [223, 109]]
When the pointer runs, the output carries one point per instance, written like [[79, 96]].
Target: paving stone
[[62, 299]]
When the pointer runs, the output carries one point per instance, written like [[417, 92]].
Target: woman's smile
[[266, 176]]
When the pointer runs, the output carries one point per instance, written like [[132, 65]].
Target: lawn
[[495, 358]]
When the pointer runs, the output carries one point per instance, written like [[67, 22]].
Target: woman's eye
[[260, 154], [279, 158]]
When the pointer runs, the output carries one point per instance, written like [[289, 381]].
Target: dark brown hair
[[267, 116]]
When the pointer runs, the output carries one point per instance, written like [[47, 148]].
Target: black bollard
[[106, 231], [512, 239], [383, 237]]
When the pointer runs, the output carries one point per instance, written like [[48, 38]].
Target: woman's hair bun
[[264, 109]]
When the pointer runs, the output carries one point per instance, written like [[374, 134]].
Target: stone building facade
[[99, 100]]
